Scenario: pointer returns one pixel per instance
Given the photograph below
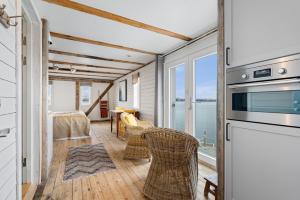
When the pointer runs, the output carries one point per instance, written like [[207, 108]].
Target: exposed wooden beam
[[83, 71], [81, 74], [98, 99], [93, 57], [86, 65], [53, 77], [77, 96], [100, 43], [111, 16]]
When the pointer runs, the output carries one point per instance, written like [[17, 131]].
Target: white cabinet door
[[262, 162], [8, 146], [259, 30]]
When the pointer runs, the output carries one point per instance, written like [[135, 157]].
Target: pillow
[[131, 120]]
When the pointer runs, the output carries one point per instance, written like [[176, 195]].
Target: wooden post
[[221, 103], [98, 99], [44, 156], [77, 94]]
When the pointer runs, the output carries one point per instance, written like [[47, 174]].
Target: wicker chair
[[136, 147], [173, 173]]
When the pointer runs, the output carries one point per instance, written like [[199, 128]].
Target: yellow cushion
[[119, 108], [131, 120]]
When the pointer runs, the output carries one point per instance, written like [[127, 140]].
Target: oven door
[[272, 102]]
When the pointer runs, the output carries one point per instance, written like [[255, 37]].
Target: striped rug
[[86, 160]]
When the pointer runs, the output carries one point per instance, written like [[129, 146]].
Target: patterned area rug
[[86, 160]]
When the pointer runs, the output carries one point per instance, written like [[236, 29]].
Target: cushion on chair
[[130, 118]]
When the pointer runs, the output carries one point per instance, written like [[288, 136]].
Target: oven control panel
[[287, 67]]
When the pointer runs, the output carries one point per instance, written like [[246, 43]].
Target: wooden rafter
[[84, 71], [98, 99], [62, 73], [117, 18], [53, 77], [136, 69], [100, 43], [93, 57], [86, 65]]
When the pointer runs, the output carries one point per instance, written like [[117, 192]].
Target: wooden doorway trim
[[221, 104]]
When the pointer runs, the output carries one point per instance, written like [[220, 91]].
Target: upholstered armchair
[[173, 173], [136, 147]]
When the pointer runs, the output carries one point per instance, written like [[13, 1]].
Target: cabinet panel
[[263, 162], [260, 30]]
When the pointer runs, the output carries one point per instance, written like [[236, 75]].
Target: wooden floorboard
[[125, 182]]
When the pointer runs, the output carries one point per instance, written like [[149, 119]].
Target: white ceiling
[[189, 17]]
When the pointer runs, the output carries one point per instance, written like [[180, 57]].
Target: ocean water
[[205, 124]]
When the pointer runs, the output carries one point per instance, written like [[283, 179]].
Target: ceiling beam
[[100, 43], [67, 74], [53, 77], [86, 65], [81, 72], [93, 57], [117, 18]]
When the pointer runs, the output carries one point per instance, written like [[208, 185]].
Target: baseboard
[[98, 121]]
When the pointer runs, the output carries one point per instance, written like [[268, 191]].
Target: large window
[[205, 85], [136, 90], [85, 94]]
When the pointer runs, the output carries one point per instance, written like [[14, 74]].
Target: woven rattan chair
[[173, 173], [136, 147]]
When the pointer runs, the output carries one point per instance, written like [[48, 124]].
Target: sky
[[205, 78]]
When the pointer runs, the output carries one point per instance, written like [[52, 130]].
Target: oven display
[[262, 73]]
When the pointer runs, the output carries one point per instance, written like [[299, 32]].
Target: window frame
[[89, 97]]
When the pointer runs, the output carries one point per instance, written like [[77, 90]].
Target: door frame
[[167, 94]]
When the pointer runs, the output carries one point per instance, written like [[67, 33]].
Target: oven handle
[[295, 80]]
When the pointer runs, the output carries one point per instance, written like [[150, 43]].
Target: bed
[[70, 125]]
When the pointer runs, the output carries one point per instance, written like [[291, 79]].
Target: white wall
[[97, 89], [147, 95], [64, 98]]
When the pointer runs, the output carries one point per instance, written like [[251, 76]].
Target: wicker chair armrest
[[134, 130]]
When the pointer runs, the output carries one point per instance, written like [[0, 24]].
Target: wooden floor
[[125, 182]]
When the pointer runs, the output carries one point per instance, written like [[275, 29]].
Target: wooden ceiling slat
[[117, 18], [100, 43], [87, 65], [93, 57]]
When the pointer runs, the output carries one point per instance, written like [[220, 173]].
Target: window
[[49, 93], [136, 90], [85, 94]]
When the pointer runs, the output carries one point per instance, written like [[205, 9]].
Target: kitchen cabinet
[[259, 30], [262, 162]]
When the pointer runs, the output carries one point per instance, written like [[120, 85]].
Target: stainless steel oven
[[266, 92]]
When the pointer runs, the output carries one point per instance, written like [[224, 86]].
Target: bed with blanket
[[69, 125]]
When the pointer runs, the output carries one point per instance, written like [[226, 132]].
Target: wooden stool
[[211, 180]]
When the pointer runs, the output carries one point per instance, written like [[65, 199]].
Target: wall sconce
[[73, 70], [5, 19]]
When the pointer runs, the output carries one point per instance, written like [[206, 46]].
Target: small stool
[[211, 180]]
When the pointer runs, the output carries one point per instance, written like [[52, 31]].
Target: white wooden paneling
[[7, 171], [8, 188], [7, 56], [7, 105], [6, 155], [147, 92], [7, 72], [10, 139], [7, 89], [7, 36]]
